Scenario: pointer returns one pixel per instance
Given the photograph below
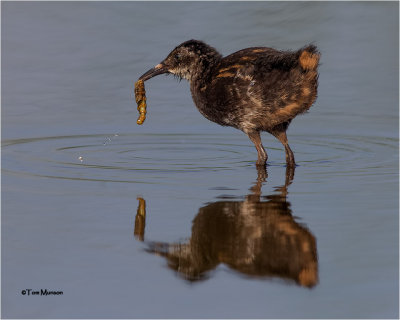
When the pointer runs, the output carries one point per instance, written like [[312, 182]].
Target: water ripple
[[146, 158]]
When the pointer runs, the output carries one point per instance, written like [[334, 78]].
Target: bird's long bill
[[158, 69]]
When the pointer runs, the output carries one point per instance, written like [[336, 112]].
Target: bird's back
[[259, 88]]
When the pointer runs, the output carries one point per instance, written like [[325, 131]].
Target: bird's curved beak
[[158, 69]]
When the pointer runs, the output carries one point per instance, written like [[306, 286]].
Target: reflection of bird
[[254, 89], [140, 220], [256, 238]]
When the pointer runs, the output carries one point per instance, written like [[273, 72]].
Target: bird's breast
[[227, 94], [208, 104]]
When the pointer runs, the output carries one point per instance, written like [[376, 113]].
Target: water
[[172, 219]]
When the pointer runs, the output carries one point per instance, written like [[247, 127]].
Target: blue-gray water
[[74, 163]]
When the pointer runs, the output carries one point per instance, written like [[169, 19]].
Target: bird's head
[[190, 58]]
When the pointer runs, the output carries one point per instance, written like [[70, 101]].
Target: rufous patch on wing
[[258, 50], [235, 66], [290, 109], [247, 58], [225, 75]]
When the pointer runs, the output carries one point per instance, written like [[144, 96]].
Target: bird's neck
[[204, 68], [201, 79]]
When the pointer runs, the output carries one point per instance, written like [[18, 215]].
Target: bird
[[257, 89]]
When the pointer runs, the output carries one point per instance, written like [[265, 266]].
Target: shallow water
[[172, 219]]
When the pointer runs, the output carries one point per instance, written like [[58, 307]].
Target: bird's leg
[[262, 155], [281, 136]]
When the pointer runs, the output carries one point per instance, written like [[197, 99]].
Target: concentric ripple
[[112, 157], [147, 158]]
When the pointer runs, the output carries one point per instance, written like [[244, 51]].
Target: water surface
[[172, 219]]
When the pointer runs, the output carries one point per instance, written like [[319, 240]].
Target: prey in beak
[[158, 69], [140, 92]]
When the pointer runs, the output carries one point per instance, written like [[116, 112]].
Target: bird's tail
[[309, 57]]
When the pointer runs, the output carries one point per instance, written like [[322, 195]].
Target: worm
[[140, 96]]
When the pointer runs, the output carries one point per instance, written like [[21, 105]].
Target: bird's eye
[[177, 56]]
